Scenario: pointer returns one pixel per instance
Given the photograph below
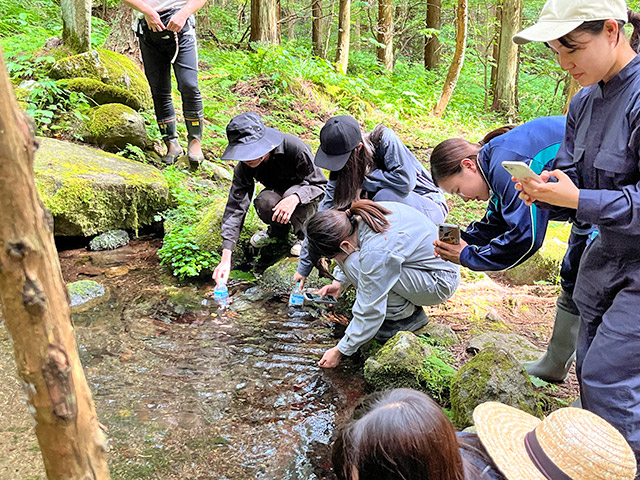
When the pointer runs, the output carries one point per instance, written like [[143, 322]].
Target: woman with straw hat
[[598, 174]]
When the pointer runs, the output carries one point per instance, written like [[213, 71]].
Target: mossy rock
[[107, 67], [100, 92], [517, 345], [544, 265], [440, 333], [493, 375], [86, 294], [89, 191], [406, 362], [114, 125], [278, 278]]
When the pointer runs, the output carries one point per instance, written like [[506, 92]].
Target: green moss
[[105, 118], [100, 92]]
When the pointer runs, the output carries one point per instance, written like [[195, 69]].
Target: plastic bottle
[[221, 294], [296, 299]]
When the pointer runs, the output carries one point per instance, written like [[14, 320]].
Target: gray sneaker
[[296, 248], [259, 239]]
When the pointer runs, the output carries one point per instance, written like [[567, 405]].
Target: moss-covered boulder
[[89, 191], [493, 375], [544, 265], [113, 126], [278, 278], [100, 92], [406, 362], [515, 344], [107, 67], [86, 294], [440, 333]]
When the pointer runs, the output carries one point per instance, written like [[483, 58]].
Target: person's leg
[[300, 215], [264, 203], [156, 58], [186, 70], [431, 208]]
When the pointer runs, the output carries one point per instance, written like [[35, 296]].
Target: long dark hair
[[349, 179], [404, 436], [325, 230], [446, 158], [594, 27]]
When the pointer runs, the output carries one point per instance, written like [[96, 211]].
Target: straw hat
[[570, 443]]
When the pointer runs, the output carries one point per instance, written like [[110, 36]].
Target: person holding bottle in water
[[598, 174]]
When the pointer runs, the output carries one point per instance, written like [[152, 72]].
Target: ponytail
[[634, 41], [325, 230]]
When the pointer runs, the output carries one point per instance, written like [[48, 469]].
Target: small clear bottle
[[296, 299], [221, 294]]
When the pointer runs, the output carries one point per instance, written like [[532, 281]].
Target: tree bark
[[496, 49], [504, 94], [431, 43], [76, 24], [385, 34], [36, 311], [264, 21], [122, 38], [344, 29], [316, 27], [458, 59]]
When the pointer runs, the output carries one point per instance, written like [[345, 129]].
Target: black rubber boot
[[195, 128], [413, 322], [170, 137], [554, 365]]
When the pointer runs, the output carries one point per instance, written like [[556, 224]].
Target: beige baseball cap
[[559, 17]]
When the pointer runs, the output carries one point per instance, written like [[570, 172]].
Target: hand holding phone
[[449, 233], [520, 170]]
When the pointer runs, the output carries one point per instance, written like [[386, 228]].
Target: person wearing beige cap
[[598, 174], [569, 444]]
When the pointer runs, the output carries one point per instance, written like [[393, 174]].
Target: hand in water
[[331, 358]]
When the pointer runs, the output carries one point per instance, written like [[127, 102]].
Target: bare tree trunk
[[458, 59], [432, 44], [264, 21], [316, 26], [76, 24], [357, 29], [385, 33], [572, 87], [344, 29], [122, 38], [36, 312], [328, 33], [496, 49], [504, 95]]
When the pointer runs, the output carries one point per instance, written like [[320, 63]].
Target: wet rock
[[278, 278], [109, 240], [89, 191], [86, 294], [113, 126], [215, 171], [116, 271], [406, 362], [493, 375], [107, 67], [440, 333], [516, 345], [544, 265], [255, 294]]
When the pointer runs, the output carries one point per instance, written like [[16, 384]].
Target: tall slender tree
[[344, 29], [385, 34], [431, 42], [504, 93], [36, 312], [316, 26], [264, 21], [458, 59], [76, 24]]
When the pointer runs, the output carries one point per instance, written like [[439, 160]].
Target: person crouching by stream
[[385, 250], [293, 185]]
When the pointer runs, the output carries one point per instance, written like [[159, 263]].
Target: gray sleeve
[[313, 180]]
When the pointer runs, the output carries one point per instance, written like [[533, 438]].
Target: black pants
[[264, 203], [157, 53]]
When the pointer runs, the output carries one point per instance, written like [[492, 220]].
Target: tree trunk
[[572, 87], [458, 59], [264, 21], [431, 43], [122, 38], [344, 29], [357, 30], [385, 34], [496, 49], [504, 95], [35, 306], [76, 24], [316, 27]]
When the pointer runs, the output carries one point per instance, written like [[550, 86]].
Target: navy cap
[[339, 136]]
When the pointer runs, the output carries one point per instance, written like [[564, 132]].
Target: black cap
[[339, 136], [249, 139]]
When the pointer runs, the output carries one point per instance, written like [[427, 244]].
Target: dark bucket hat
[[339, 136], [249, 139]]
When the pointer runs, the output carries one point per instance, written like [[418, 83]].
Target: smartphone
[[449, 233], [520, 170], [315, 298]]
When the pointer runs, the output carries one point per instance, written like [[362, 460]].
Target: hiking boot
[[260, 239], [296, 248], [413, 322]]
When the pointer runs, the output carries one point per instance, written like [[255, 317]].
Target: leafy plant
[[184, 257], [133, 152], [51, 106]]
